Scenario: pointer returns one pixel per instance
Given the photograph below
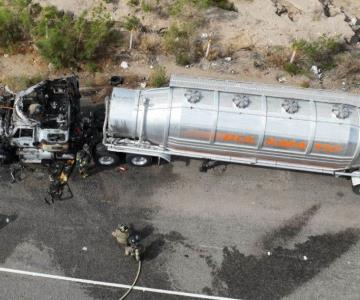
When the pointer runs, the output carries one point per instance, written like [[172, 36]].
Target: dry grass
[[19, 83], [277, 57], [150, 44], [348, 66]]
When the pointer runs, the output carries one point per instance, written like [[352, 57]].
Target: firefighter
[[83, 161], [59, 176]]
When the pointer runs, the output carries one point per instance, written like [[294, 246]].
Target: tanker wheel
[[105, 158], [356, 189], [138, 160]]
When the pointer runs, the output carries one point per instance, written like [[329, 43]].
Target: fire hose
[[135, 281]]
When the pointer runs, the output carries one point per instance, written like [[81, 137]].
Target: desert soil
[[255, 27]]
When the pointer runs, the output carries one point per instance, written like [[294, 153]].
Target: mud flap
[[355, 178]]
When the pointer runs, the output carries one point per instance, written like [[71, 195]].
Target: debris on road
[[122, 168], [124, 65]]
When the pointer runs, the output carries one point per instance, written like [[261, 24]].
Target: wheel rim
[[139, 161], [106, 160]]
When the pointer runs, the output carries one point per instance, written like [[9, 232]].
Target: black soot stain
[[279, 274], [160, 241], [340, 194], [289, 229]]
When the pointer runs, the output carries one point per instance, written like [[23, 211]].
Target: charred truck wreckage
[[290, 128], [36, 124]]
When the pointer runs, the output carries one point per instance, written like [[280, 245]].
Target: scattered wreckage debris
[[17, 172], [207, 165]]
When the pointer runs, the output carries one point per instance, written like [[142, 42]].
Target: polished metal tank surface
[[279, 126]]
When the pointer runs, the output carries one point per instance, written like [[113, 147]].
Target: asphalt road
[[203, 233]]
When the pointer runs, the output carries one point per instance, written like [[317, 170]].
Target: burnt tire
[[6, 156], [356, 189], [138, 160], [104, 157]]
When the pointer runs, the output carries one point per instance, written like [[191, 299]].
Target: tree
[[131, 24]]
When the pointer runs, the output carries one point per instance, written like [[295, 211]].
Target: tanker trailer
[[237, 122]]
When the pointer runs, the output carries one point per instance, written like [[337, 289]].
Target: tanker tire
[[105, 158], [356, 189], [138, 160]]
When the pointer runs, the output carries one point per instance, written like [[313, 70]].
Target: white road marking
[[114, 285]]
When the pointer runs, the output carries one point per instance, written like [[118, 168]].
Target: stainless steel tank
[[294, 128]]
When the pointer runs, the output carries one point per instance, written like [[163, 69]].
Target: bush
[[319, 52], [149, 44], [178, 41], [292, 68], [179, 5], [14, 23], [277, 56], [19, 83], [183, 58], [133, 2], [131, 23], [146, 6], [158, 77], [67, 41]]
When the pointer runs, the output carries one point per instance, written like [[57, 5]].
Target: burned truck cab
[[37, 123]]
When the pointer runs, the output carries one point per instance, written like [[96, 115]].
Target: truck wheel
[[105, 158], [138, 160], [356, 189]]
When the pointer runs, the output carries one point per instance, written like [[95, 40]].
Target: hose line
[[132, 286]]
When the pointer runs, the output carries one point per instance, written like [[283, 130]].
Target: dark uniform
[[83, 161]]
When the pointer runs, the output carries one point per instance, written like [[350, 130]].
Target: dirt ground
[[256, 26]]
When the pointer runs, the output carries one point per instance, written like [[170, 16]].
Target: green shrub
[[146, 6], [18, 83], [131, 23], [133, 2], [292, 68], [183, 58], [158, 77], [319, 52], [178, 41], [179, 5], [15, 23], [66, 40]]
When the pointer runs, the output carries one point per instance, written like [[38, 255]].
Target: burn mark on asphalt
[[154, 248], [160, 241], [278, 275], [340, 194], [290, 228]]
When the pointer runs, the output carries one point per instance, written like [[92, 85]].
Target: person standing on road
[[83, 161]]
